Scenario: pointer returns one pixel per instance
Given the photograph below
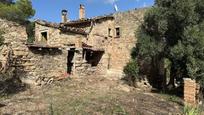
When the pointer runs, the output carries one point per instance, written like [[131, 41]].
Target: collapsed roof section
[[61, 27], [70, 25]]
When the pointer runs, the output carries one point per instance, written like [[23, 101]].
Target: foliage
[[174, 30], [131, 71], [6, 1], [188, 110], [19, 12], [30, 32]]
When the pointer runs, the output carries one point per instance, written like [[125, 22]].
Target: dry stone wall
[[55, 37], [31, 63], [120, 47], [100, 39], [15, 37], [65, 41]]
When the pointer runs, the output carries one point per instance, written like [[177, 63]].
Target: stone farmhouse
[[88, 46]]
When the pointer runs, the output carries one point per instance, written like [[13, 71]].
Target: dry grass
[[91, 95]]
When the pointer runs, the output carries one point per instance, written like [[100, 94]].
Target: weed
[[119, 110], [189, 110]]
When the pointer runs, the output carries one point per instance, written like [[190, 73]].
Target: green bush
[[131, 71], [188, 110]]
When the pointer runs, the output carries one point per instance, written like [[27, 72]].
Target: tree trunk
[[171, 84], [164, 80], [157, 72]]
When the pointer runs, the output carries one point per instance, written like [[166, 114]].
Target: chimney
[[81, 12], [64, 16]]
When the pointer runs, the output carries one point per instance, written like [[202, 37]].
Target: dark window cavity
[[117, 30], [44, 36], [109, 32]]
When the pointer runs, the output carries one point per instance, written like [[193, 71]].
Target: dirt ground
[[94, 95]]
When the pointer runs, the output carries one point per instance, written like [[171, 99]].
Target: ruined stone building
[[100, 45]]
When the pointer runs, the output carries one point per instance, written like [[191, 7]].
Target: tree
[[6, 1], [174, 30], [25, 9], [19, 12]]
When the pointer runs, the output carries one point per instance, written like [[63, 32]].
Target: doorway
[[70, 58]]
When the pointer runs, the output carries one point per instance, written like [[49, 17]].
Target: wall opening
[[109, 32], [70, 62], [93, 57], [117, 32], [44, 36]]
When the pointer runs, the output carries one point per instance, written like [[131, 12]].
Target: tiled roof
[[72, 29], [88, 20]]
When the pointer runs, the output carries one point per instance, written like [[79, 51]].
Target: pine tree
[[6, 1], [20, 11], [174, 30]]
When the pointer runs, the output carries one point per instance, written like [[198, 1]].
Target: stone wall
[[117, 50], [15, 37], [55, 37], [31, 63], [191, 90], [100, 39], [120, 47], [47, 62]]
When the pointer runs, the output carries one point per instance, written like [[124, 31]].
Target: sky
[[50, 10]]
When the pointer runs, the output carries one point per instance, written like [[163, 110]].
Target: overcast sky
[[50, 10]]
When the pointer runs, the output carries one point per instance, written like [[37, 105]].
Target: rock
[[124, 88]]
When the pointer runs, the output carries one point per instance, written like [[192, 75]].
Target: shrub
[[131, 71], [188, 110]]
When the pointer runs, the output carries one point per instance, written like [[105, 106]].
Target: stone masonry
[[191, 90], [15, 38], [81, 47], [31, 63], [109, 51]]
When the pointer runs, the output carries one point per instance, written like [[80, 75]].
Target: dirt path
[[90, 95]]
